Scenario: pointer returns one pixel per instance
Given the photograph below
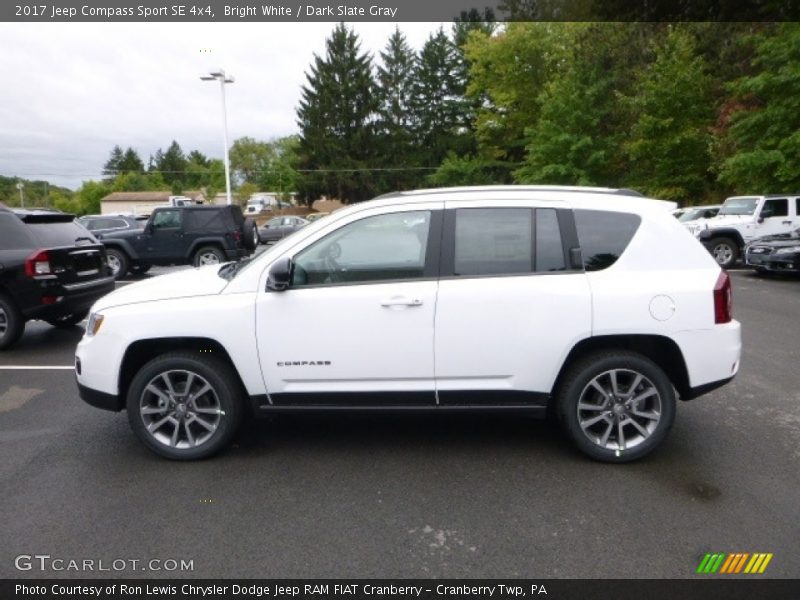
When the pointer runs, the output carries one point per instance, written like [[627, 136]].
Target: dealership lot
[[409, 496]]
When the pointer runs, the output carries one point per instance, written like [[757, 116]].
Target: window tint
[[167, 219], [383, 247], [491, 241], [549, 249], [604, 236], [13, 233], [204, 221], [779, 207]]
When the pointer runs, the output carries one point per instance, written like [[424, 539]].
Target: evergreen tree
[[336, 119], [439, 101], [171, 164], [130, 162], [395, 119], [111, 168]]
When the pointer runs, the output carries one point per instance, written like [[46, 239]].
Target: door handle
[[400, 301], [786, 222]]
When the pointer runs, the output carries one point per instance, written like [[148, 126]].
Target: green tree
[[395, 120], [440, 108], [130, 162], [764, 133], [336, 119], [573, 141], [171, 164], [249, 158], [111, 168], [466, 170], [670, 141]]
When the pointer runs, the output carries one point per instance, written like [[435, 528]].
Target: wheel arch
[[123, 247], [662, 350], [202, 242], [141, 352], [734, 234]]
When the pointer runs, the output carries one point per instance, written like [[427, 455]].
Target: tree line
[[685, 111]]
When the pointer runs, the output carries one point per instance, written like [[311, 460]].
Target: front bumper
[[774, 262], [100, 399]]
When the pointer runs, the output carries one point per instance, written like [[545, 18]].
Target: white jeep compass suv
[[591, 303]]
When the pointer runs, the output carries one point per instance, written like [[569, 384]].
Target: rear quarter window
[[13, 233], [604, 235], [205, 221]]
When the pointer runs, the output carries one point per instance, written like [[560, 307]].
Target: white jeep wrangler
[[590, 303], [743, 219]]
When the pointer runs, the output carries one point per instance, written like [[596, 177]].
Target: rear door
[[510, 304]]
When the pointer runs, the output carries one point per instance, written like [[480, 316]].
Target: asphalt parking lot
[[429, 496]]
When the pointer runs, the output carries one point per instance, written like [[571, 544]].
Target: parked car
[[197, 235], [314, 216], [520, 298], [106, 223], [279, 227], [693, 213], [51, 268], [775, 253], [742, 219]]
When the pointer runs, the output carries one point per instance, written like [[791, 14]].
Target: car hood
[[188, 283], [780, 240], [724, 220]]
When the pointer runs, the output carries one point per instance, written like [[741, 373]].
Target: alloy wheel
[[619, 409], [208, 258]]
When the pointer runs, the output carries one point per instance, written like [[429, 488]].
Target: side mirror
[[765, 214], [148, 229], [280, 275]]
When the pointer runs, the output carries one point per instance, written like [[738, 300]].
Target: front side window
[[167, 219], [775, 207], [380, 248]]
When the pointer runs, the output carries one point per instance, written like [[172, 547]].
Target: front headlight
[[94, 323], [789, 250]]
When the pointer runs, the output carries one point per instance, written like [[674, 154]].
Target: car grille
[[760, 250]]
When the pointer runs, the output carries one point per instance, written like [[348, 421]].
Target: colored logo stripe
[[736, 562]]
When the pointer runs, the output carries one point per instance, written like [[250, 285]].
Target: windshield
[[691, 215], [278, 247], [739, 206]]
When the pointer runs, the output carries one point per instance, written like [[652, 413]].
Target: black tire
[[140, 268], [67, 321], [724, 250], [203, 256], [249, 235], [614, 416], [224, 395], [12, 323], [118, 262]]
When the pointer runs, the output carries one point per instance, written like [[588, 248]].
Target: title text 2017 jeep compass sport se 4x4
[[590, 302]]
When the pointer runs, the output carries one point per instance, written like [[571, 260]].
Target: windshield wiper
[[229, 270]]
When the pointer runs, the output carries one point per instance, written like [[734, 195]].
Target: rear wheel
[[184, 406], [725, 251], [69, 320], [250, 235], [616, 406], [118, 262], [12, 323], [208, 255]]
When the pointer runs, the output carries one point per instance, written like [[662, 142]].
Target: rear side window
[[492, 241], [54, 235], [604, 236], [202, 221], [13, 233]]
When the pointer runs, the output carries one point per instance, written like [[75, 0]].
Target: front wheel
[[616, 406], [725, 251], [208, 255], [184, 406]]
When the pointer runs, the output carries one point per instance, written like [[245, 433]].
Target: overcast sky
[[70, 92]]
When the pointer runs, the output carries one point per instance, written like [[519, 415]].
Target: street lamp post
[[223, 78]]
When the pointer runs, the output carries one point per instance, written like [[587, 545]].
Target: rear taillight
[[723, 299], [38, 264], [237, 236]]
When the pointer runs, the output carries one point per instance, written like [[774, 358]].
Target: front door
[[356, 325], [166, 241]]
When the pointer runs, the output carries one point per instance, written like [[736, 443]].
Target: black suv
[[51, 268], [198, 235]]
